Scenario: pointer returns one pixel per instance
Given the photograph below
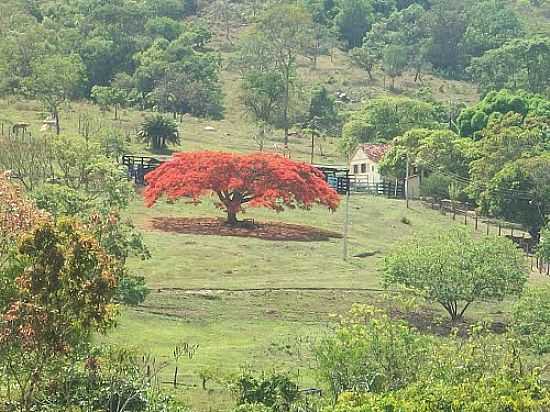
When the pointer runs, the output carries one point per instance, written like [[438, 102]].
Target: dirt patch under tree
[[260, 230]]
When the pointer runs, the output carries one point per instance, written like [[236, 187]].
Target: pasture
[[249, 301]]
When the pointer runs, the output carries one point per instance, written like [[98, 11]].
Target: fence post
[[465, 217], [487, 227], [512, 231], [499, 230], [476, 222], [441, 208]]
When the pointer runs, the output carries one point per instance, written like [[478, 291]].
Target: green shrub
[[380, 365], [370, 353], [436, 186], [276, 390], [132, 290], [531, 315]]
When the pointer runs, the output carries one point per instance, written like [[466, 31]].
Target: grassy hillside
[[260, 304]]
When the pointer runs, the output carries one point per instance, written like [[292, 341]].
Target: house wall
[[364, 169]]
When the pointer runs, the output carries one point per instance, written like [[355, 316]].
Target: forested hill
[[143, 47]]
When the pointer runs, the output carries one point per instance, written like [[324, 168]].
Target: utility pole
[[346, 226], [407, 183], [312, 145]]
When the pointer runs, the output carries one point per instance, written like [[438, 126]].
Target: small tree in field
[[159, 130], [454, 269], [257, 180]]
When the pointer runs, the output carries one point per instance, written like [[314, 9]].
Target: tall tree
[[354, 20], [383, 119], [284, 32], [394, 62], [518, 64], [256, 180], [508, 174], [520, 192], [56, 79], [455, 269]]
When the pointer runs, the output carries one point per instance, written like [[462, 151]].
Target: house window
[[363, 168], [355, 169]]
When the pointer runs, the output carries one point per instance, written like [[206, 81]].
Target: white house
[[364, 165], [365, 168]]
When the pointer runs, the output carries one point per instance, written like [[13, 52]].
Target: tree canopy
[[256, 180], [454, 269]]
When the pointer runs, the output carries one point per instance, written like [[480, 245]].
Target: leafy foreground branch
[[373, 363]]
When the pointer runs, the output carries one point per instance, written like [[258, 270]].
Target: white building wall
[[363, 169]]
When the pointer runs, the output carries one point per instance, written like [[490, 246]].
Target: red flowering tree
[[256, 180]]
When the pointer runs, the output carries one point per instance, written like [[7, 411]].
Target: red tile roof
[[375, 152]]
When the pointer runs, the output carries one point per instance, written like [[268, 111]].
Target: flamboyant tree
[[256, 180]]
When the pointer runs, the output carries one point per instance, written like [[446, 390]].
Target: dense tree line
[[118, 52]]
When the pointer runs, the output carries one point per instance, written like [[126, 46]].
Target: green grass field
[[262, 304]]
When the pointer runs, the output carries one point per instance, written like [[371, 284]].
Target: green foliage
[[323, 116], [158, 130], [490, 24], [113, 144], [92, 187], [108, 379], [354, 20], [276, 391], [531, 316], [163, 27], [480, 372], [284, 32], [394, 62], [63, 289], [518, 64], [475, 118], [263, 95], [543, 250], [454, 269], [132, 290], [435, 185], [54, 80], [520, 192], [443, 34], [370, 353], [508, 174], [383, 119], [364, 58], [109, 96]]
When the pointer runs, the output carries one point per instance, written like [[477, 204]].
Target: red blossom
[[256, 180]]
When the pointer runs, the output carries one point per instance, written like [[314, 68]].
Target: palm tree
[[159, 130]]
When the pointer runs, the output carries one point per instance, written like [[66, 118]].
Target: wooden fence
[[139, 166], [379, 189], [465, 214]]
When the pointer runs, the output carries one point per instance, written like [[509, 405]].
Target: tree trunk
[[232, 218], [312, 147], [56, 118], [286, 102], [535, 233], [116, 111]]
